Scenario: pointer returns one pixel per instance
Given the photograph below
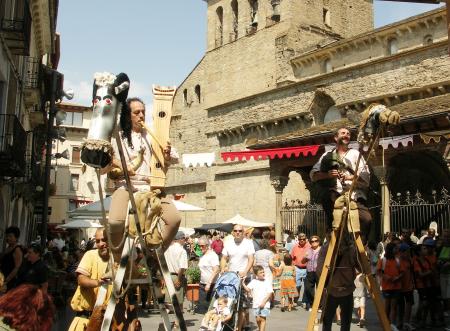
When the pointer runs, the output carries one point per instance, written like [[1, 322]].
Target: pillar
[[278, 183]]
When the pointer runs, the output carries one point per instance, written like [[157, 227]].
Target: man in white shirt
[[238, 255], [177, 263]]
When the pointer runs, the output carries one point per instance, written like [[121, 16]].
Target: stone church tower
[[249, 47]]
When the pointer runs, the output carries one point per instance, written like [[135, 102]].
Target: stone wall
[[249, 92]]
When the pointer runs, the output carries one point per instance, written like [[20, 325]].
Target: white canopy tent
[[238, 219], [94, 211], [80, 224]]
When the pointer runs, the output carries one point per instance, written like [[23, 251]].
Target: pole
[[48, 160]]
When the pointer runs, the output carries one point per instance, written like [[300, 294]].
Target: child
[[214, 318], [359, 298], [406, 298], [389, 271], [288, 289], [262, 293]]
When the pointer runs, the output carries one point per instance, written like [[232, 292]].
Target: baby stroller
[[228, 285]]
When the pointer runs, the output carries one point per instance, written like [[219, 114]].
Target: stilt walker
[[151, 218], [346, 219]]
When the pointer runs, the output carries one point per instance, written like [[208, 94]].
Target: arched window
[[185, 97], [198, 93], [219, 27], [392, 46], [235, 25], [326, 17], [327, 67], [332, 114], [253, 13], [427, 40]]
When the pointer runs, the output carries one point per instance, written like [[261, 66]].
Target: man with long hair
[[137, 144]]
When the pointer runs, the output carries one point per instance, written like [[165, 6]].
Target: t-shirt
[[217, 246], [262, 258], [206, 264], [260, 290], [407, 278], [360, 286], [298, 253], [391, 269], [238, 254], [422, 266], [176, 258], [94, 267]]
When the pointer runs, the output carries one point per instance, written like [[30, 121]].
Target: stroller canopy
[[228, 285]]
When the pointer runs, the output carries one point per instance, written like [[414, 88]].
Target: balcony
[[15, 24], [13, 144], [32, 81]]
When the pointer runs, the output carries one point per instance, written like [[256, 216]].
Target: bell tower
[[229, 21]]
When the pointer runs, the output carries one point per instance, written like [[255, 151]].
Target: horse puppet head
[[109, 96]]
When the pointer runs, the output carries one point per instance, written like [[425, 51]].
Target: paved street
[[294, 320]]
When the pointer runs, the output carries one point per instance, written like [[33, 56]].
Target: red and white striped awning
[[286, 152]]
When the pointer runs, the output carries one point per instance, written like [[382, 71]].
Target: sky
[[154, 42]]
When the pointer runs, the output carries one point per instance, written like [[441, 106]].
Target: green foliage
[[193, 275]]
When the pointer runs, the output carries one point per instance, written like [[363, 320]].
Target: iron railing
[[308, 218], [407, 211], [15, 23], [13, 144], [32, 75], [414, 212]]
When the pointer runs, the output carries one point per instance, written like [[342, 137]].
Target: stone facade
[[288, 74]]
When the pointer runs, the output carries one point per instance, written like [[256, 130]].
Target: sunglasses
[[238, 230]]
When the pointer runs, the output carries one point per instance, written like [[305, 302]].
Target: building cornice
[[40, 13], [395, 29]]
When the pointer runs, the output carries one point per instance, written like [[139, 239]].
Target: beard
[[342, 142], [238, 240]]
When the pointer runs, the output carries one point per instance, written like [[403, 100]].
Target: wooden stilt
[[374, 289]]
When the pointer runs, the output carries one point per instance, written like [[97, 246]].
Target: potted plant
[[193, 283]]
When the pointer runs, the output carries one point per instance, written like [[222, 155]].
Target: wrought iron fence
[[299, 216], [406, 211], [415, 212]]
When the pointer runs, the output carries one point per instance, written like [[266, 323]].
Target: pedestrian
[[406, 297], [11, 259], [261, 292], [359, 298], [275, 264], [444, 264], [262, 258], [288, 290], [238, 256], [311, 279], [177, 263], [90, 276], [209, 270], [390, 273], [298, 253], [35, 271], [217, 244]]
